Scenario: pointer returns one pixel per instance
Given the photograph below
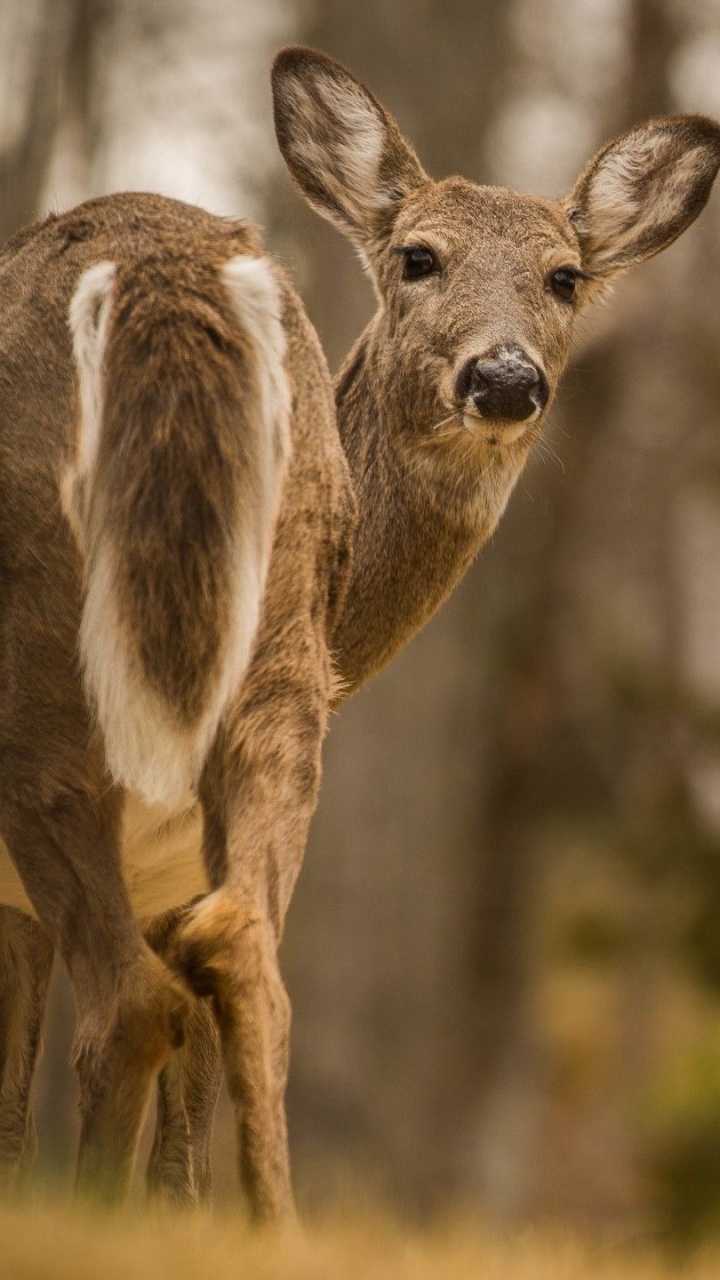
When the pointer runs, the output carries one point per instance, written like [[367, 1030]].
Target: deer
[[204, 549]]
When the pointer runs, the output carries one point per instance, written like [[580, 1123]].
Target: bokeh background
[[504, 951]]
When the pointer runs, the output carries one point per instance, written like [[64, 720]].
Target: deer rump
[[172, 489]]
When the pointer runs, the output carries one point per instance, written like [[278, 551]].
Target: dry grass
[[52, 1242]]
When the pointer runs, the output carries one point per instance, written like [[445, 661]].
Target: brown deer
[[196, 563]]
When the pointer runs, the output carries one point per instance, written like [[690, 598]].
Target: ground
[[57, 1242]]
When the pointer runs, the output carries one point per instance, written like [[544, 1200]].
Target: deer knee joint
[[144, 1022], [224, 951]]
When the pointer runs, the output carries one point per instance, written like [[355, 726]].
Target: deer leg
[[130, 1010], [188, 1088], [231, 951], [203, 1075], [259, 794], [26, 956]]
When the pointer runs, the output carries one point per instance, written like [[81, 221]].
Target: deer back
[[171, 481]]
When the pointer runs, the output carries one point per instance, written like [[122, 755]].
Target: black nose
[[504, 383]]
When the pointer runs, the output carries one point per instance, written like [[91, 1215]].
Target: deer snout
[[503, 384]]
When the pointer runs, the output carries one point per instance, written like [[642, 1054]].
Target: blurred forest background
[[504, 952]]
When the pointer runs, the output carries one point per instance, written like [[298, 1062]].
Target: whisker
[[450, 418], [554, 454], [546, 451]]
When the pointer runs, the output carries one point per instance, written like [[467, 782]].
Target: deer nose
[[504, 383]]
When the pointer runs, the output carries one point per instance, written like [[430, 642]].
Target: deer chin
[[496, 431]]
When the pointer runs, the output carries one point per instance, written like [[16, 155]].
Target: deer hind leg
[[188, 1088], [231, 952], [26, 956], [259, 792], [130, 1010]]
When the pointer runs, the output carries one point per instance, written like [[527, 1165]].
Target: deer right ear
[[342, 147], [642, 190]]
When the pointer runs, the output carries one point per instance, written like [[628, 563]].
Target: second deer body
[[197, 563]]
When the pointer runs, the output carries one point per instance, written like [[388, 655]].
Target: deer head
[[479, 286]]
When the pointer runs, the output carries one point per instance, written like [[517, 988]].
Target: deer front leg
[[26, 956], [259, 793]]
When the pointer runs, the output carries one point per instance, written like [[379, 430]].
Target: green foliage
[[686, 1173], [593, 937], [684, 1148]]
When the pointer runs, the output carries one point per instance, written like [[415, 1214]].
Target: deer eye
[[419, 261], [563, 282]]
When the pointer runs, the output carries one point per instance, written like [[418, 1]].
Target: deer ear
[[642, 190], [341, 146]]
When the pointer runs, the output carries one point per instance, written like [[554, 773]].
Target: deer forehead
[[462, 218]]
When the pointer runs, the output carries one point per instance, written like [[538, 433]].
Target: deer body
[[74, 820], [198, 560]]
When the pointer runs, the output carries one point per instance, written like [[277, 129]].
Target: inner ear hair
[[643, 189]]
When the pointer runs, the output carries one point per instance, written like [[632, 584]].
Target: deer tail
[[173, 487]]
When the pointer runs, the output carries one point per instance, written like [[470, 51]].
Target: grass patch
[[56, 1242]]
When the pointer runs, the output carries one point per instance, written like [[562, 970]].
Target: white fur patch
[[161, 852], [89, 320], [147, 751], [255, 295]]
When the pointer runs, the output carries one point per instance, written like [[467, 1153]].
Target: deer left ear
[[342, 147], [642, 190]]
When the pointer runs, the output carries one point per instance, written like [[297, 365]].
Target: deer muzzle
[[503, 385]]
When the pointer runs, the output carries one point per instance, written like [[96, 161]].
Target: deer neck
[[424, 509]]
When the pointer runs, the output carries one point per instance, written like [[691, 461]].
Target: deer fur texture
[[201, 554]]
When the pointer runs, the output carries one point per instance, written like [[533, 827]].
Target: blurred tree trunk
[[24, 162]]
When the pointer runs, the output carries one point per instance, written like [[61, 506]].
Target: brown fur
[[25, 964], [427, 476], [176, 359], [188, 1086]]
